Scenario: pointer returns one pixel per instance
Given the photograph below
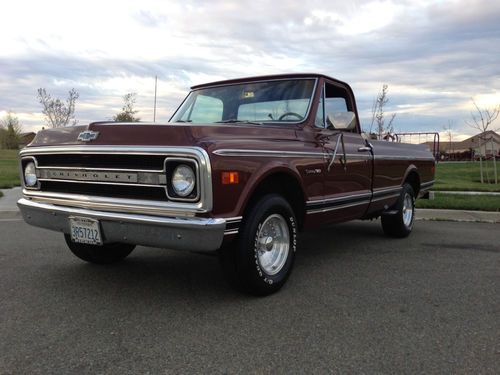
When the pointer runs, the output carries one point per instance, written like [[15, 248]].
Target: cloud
[[435, 56]]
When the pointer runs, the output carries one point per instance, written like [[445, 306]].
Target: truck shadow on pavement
[[160, 273]]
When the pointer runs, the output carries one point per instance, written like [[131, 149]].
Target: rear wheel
[[400, 224], [261, 260], [105, 254]]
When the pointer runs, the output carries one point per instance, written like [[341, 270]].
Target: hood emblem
[[87, 136]]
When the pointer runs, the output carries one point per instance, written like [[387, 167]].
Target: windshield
[[284, 101]]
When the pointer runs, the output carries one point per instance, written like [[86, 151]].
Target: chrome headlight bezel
[[174, 167], [29, 173]]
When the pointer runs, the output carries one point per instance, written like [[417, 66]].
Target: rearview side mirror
[[341, 120]]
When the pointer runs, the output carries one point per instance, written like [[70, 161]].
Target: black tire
[[106, 254], [261, 259], [400, 224]]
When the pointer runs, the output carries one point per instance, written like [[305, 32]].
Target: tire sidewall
[[407, 189], [267, 206]]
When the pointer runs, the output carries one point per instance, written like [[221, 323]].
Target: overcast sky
[[434, 55]]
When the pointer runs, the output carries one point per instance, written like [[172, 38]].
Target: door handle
[[364, 148]]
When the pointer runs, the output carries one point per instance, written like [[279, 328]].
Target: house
[[486, 144]]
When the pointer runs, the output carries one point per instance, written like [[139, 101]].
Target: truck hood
[[171, 134]]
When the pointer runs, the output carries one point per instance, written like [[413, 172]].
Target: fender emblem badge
[[87, 136]]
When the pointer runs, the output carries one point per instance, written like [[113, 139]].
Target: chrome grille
[[79, 174], [122, 178]]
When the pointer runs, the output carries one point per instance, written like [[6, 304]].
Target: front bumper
[[193, 234]]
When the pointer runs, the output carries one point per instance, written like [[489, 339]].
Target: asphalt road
[[357, 302]]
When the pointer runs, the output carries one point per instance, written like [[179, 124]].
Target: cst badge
[[87, 136]]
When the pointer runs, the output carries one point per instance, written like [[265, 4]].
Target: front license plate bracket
[[85, 230]]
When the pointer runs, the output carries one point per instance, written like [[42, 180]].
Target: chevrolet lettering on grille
[[87, 135], [88, 175]]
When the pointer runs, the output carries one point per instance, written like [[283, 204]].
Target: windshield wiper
[[239, 121]]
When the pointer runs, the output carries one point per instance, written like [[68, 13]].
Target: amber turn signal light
[[230, 178]]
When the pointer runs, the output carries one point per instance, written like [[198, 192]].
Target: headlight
[[30, 174], [183, 180]]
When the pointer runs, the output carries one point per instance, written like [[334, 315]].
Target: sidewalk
[[494, 193], [9, 199], [8, 209]]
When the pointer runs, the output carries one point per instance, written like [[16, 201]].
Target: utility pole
[[154, 110], [494, 159]]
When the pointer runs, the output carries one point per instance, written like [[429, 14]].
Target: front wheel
[[105, 254], [262, 259], [400, 224]]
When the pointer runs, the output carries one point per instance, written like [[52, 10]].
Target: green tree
[[128, 110], [58, 113], [10, 131]]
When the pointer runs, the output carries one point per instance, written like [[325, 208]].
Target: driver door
[[348, 169]]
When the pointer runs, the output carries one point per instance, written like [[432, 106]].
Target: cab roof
[[267, 78]]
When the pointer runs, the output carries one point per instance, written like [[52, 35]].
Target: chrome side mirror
[[341, 120]]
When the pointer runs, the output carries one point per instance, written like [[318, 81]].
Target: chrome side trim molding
[[282, 154], [268, 153], [338, 199], [339, 207], [399, 157], [333, 204]]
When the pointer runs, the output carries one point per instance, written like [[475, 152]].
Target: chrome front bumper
[[194, 234]]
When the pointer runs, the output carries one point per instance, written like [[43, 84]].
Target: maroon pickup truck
[[240, 168]]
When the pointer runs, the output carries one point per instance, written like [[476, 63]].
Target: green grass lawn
[[465, 177], [461, 202], [9, 172]]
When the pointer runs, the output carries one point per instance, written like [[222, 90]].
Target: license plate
[[85, 230]]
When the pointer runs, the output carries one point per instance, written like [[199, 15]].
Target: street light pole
[[154, 111]]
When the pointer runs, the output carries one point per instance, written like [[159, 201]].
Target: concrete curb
[[457, 215]]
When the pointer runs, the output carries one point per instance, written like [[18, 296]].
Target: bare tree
[[58, 113], [481, 120], [378, 114], [128, 110], [10, 131]]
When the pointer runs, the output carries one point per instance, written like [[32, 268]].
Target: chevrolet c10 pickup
[[240, 168]]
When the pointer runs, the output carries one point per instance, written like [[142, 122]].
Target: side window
[[336, 101], [335, 105]]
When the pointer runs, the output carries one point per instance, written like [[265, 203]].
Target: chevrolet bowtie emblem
[[87, 135]]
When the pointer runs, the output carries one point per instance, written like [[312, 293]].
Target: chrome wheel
[[273, 244], [400, 222], [407, 210]]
